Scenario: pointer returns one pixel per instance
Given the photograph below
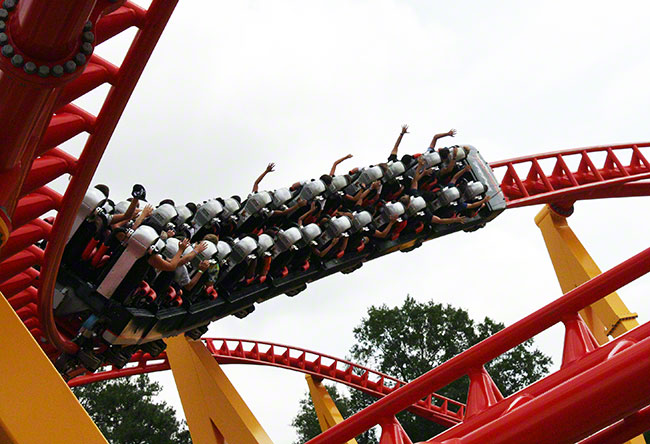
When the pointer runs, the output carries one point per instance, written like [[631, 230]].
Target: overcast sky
[[235, 85]]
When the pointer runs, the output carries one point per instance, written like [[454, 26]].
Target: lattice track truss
[[28, 291], [437, 408], [575, 175]]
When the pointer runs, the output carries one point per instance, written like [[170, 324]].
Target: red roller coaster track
[[437, 408], [39, 116]]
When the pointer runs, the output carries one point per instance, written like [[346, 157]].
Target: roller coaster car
[[123, 325]]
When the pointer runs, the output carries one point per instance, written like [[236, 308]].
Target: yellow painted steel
[[214, 411], [36, 405], [573, 267], [327, 412]]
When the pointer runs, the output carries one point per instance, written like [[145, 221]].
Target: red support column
[[393, 433], [578, 340], [42, 48], [483, 392]]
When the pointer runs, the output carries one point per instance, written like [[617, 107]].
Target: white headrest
[[223, 250], [369, 175], [264, 243], [184, 213], [206, 212], [431, 159], [361, 219], [163, 215], [312, 189], [310, 232], [473, 189], [280, 196], [121, 207], [230, 206], [338, 183], [417, 204]]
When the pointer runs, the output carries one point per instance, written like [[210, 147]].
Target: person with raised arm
[[393, 154], [451, 133], [336, 163], [269, 169]]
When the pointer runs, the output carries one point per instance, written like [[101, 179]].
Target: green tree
[[126, 412], [410, 340]]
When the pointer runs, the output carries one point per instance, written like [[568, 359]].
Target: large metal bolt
[[9, 5], [30, 67], [80, 59], [7, 50], [70, 66], [4, 14], [4, 38], [88, 26], [3, 25], [86, 48], [57, 70], [17, 60], [43, 71], [88, 36]]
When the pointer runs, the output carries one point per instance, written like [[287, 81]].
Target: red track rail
[[437, 408], [589, 374], [575, 175], [29, 292]]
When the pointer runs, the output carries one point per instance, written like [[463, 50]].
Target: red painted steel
[[577, 408], [564, 185], [128, 76], [489, 349], [624, 430], [437, 408]]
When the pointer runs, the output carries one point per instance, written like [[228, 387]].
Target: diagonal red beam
[[579, 407], [624, 430], [489, 349]]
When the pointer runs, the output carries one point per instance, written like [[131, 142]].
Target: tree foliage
[[126, 413], [410, 340]]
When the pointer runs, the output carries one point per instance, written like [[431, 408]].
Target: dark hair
[[220, 200], [444, 153], [167, 201], [407, 159], [216, 226], [191, 206], [405, 200], [428, 196], [103, 188], [326, 179], [237, 198]]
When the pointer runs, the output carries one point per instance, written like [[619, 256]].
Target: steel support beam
[[214, 411], [573, 267], [326, 411], [36, 405]]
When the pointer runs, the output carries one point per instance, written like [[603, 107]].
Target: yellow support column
[[328, 414], [573, 267], [36, 405], [214, 411]]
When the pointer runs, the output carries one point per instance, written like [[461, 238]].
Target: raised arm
[[399, 140], [459, 174], [336, 163], [311, 211], [192, 254], [146, 212], [269, 169], [450, 133], [203, 266], [162, 264]]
